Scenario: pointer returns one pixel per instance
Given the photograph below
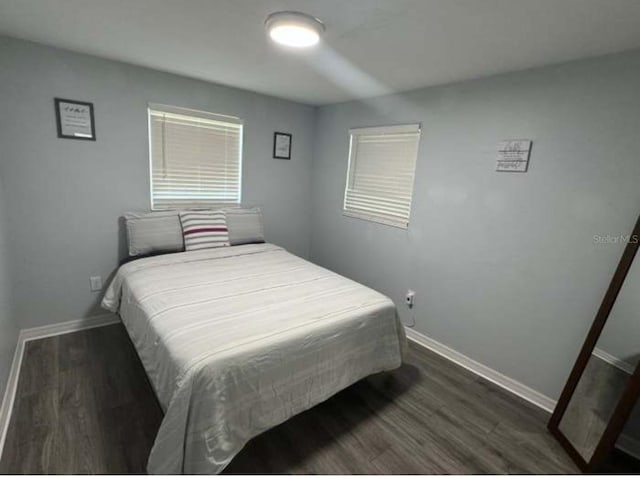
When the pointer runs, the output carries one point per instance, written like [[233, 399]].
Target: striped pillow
[[204, 229]]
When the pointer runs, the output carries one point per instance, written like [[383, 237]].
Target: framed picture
[[281, 145], [74, 119], [513, 155]]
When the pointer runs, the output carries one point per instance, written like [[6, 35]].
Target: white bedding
[[238, 339]]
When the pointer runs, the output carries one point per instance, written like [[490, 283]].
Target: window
[[382, 163], [195, 158]]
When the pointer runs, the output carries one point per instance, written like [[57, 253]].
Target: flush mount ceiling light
[[294, 29]]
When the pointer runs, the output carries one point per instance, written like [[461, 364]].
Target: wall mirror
[[596, 409]]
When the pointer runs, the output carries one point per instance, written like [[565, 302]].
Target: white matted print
[[281, 145], [513, 155], [74, 119]]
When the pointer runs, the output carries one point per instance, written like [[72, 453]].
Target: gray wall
[[504, 265], [8, 328], [66, 195]]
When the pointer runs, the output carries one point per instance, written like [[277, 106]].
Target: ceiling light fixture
[[294, 29]]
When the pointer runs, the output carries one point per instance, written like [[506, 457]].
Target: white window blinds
[[196, 158], [382, 164]]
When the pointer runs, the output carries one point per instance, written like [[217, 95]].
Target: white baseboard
[[615, 361], [10, 392], [24, 336], [68, 327], [509, 384]]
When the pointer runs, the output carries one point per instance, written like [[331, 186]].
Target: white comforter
[[237, 340]]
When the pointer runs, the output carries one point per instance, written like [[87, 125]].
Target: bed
[[236, 340]]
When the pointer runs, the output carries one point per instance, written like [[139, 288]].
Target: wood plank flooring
[[84, 405]]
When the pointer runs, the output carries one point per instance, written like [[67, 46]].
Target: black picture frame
[[276, 154], [58, 102]]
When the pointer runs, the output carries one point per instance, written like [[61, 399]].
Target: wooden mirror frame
[[631, 393]]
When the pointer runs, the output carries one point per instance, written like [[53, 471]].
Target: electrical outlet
[[96, 283], [410, 298]]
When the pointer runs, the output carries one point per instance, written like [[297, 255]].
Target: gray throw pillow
[[153, 233], [245, 225]]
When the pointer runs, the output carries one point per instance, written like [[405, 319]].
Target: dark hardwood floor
[[84, 405]]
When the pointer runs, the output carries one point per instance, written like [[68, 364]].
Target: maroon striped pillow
[[204, 229]]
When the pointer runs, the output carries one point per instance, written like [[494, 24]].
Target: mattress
[[236, 340]]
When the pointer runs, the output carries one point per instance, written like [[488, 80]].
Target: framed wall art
[[281, 145], [74, 119]]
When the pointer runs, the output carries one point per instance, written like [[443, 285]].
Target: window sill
[[376, 219]]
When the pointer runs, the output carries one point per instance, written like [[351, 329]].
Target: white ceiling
[[370, 46]]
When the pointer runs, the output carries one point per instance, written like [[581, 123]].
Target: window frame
[[372, 217], [163, 108]]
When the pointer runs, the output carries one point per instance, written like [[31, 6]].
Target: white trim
[[178, 110], [26, 335], [615, 361], [68, 327], [400, 224], [509, 384], [10, 391], [382, 130]]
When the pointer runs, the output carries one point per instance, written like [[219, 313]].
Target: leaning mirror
[[600, 395]]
